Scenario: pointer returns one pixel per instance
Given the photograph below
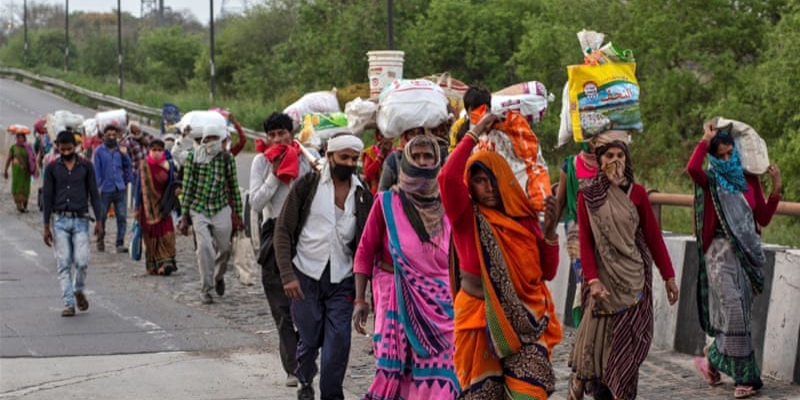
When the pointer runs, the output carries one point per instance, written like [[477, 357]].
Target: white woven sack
[[752, 148], [407, 104]]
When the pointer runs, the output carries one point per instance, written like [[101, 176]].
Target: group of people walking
[[488, 330], [446, 247]]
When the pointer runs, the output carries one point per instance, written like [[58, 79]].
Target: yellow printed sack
[[603, 97]]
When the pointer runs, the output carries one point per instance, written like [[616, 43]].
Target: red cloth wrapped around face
[[289, 167]]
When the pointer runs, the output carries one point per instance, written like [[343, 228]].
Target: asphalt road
[[123, 318], [23, 104]]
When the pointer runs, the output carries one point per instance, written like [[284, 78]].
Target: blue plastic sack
[[136, 241]]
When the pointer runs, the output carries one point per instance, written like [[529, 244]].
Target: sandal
[[743, 392], [576, 389], [711, 376]]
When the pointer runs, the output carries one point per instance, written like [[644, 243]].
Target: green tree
[[168, 56], [99, 55]]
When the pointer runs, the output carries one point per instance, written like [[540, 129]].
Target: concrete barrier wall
[[776, 321]]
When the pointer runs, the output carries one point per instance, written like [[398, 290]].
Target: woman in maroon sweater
[[619, 239], [729, 208]]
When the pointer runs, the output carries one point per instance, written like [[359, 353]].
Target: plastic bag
[[316, 102], [514, 139], [752, 148], [565, 128], [590, 40], [90, 128], [18, 129], [118, 118], [61, 120], [603, 97], [321, 126], [244, 260], [361, 114], [407, 104], [198, 120], [453, 89], [532, 106], [136, 241]]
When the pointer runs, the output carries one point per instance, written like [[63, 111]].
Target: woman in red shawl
[[154, 204]]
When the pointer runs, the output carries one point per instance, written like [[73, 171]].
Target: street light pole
[[66, 35], [119, 47], [211, 28], [390, 23], [25, 29]]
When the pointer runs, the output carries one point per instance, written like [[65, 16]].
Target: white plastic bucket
[[384, 68]]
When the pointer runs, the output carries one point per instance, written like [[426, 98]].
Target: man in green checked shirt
[[210, 189]]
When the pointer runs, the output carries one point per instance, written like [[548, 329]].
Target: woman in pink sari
[[404, 251]]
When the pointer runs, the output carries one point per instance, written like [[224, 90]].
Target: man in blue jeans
[[69, 185], [113, 170]]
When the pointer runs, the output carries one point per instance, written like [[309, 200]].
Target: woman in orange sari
[[505, 320]]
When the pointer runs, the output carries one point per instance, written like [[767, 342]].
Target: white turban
[[215, 130], [344, 142]]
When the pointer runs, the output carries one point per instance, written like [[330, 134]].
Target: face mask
[[157, 156], [343, 172], [213, 148], [110, 143], [68, 157], [615, 171]]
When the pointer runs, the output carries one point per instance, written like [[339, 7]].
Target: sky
[[200, 8]]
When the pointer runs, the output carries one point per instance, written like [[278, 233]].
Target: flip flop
[[712, 378], [743, 392]]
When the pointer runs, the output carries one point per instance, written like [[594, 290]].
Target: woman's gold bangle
[[551, 242], [473, 135]]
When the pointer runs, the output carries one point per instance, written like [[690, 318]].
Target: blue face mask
[[729, 174]]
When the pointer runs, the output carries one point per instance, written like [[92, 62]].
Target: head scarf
[[512, 196], [606, 137], [207, 151], [728, 174], [596, 193], [419, 190], [39, 126], [344, 142]]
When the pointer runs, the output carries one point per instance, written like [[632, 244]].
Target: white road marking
[[151, 328]]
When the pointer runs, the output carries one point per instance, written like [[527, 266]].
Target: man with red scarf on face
[[277, 166]]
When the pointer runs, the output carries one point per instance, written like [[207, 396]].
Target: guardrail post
[[655, 205]]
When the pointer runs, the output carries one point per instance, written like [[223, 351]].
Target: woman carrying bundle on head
[[23, 159], [619, 241], [729, 209]]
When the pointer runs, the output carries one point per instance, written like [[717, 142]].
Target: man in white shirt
[[274, 170], [315, 238]]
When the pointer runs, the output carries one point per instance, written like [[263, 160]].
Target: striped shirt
[[208, 188]]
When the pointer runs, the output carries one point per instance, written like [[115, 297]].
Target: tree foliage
[[167, 57], [695, 58]]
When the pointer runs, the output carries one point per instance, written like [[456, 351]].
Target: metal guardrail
[[686, 200], [146, 115], [100, 97]]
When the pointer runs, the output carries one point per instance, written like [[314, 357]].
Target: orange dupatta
[[523, 327]]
